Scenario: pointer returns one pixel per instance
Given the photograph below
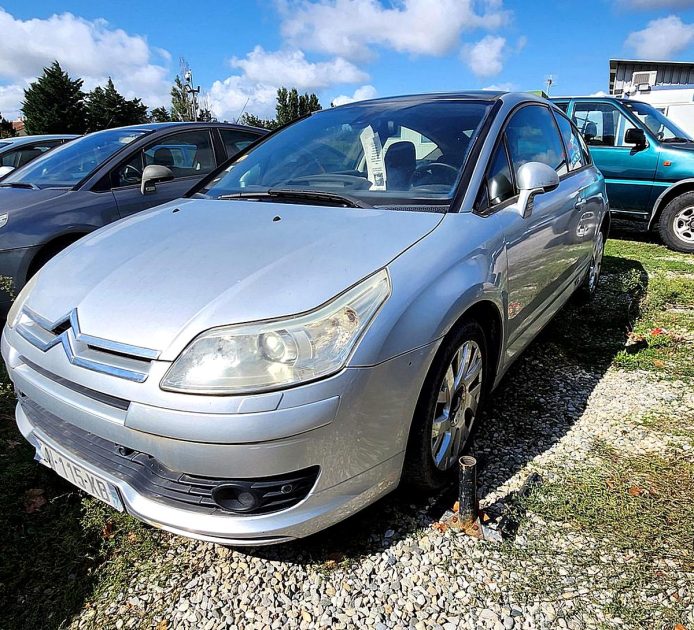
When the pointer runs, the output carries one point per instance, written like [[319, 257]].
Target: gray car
[[59, 197], [20, 150], [318, 321]]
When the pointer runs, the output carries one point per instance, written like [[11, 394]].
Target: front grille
[[86, 351], [150, 478], [113, 401]]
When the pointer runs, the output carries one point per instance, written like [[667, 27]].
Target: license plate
[[82, 478]]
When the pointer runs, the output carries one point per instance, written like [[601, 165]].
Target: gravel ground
[[394, 567]]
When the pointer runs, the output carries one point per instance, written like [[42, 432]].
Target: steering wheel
[[434, 173], [131, 172], [349, 182]]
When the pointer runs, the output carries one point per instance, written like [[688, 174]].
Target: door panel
[[629, 172], [130, 200]]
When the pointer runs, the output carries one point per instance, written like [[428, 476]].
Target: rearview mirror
[[4, 170], [152, 175], [534, 178], [635, 136]]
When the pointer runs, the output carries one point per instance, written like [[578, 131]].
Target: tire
[[585, 292], [421, 470], [676, 223]]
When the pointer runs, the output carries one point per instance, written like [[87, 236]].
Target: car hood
[[13, 199], [162, 277]]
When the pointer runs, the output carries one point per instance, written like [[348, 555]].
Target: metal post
[[467, 490]]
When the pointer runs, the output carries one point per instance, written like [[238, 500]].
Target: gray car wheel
[[447, 409]]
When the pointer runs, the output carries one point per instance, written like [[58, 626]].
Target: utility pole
[[189, 89]]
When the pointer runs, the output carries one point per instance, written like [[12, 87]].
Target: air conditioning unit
[[643, 78]]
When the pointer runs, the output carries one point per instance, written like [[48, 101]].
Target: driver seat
[[400, 163]]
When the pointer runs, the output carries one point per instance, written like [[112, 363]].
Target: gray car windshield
[[376, 153], [70, 163], [659, 124]]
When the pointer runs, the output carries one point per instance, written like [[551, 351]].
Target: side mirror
[[152, 175], [635, 136], [534, 178], [4, 170]]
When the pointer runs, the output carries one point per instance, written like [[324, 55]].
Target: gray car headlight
[[263, 356], [16, 308]]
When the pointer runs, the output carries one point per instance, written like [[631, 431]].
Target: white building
[[667, 85]]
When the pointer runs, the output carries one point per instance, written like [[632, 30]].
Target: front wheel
[[447, 408], [676, 224]]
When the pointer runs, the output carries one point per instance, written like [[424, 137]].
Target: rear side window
[[532, 136], [235, 140], [575, 148], [563, 105]]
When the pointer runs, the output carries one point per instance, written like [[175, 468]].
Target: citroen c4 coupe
[[87, 183], [316, 322]]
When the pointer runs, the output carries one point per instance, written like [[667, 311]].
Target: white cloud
[[364, 93], [10, 97], [599, 93], [662, 38], [89, 49], [506, 86], [485, 58], [349, 28], [235, 95], [291, 68]]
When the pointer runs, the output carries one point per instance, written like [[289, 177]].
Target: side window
[[235, 140], [601, 124], [563, 105], [499, 179], [532, 136], [25, 154], [577, 153], [187, 154]]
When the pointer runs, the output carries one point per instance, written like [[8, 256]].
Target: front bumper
[[353, 426]]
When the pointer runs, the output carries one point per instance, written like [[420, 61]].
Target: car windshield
[[377, 152], [658, 124], [70, 163]]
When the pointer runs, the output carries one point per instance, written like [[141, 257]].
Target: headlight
[[268, 355], [16, 308]]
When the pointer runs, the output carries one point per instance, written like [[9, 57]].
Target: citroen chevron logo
[[132, 363]]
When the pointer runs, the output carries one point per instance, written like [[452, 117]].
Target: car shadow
[[539, 400]]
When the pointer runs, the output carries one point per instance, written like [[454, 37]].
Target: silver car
[[316, 323]]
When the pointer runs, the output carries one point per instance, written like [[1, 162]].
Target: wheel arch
[[678, 188]]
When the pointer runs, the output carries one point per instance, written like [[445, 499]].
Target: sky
[[241, 51]]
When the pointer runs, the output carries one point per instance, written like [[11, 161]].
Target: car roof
[[607, 97], [169, 125], [469, 95], [38, 138]]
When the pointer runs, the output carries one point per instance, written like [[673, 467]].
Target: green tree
[[256, 121], [160, 114], [292, 105], [181, 102], [54, 103], [107, 108], [6, 130]]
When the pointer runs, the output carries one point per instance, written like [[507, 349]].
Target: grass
[[64, 553], [631, 519]]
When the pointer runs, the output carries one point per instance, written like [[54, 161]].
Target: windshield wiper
[[300, 194], [19, 185], [676, 139]]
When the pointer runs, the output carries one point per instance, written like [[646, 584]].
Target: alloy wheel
[[456, 406], [683, 224], [596, 263]]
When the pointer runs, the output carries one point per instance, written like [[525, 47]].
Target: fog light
[[235, 497]]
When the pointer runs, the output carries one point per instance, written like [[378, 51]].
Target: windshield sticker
[[373, 152]]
